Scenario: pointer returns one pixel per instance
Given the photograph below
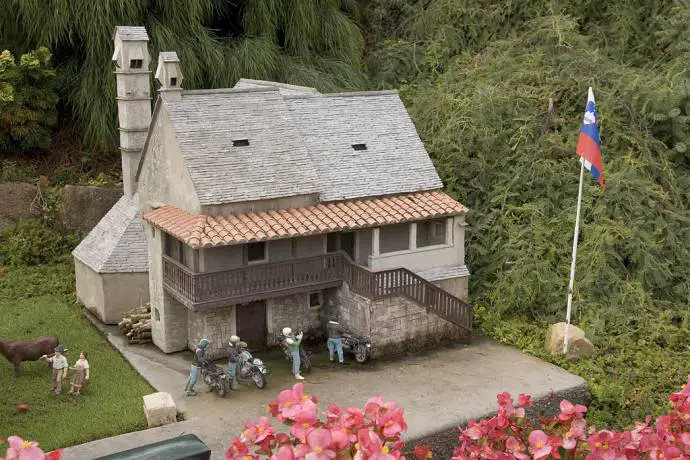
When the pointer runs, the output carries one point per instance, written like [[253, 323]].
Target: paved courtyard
[[439, 390]]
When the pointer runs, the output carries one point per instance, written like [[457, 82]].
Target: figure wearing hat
[[199, 357], [233, 360], [293, 342], [59, 364]]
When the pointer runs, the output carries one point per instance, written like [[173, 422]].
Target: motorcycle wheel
[[361, 354], [305, 362], [259, 380], [222, 389]]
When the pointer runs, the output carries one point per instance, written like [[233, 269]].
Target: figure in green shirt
[[293, 343]]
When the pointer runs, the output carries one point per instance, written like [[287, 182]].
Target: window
[[156, 314], [240, 142], [331, 242], [394, 238], [173, 81], [315, 299], [256, 252], [359, 146], [136, 63], [431, 232]]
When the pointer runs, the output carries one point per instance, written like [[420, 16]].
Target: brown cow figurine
[[27, 350]]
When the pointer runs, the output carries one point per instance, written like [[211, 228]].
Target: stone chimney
[[131, 59], [169, 76]]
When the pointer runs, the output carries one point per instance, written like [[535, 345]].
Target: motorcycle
[[305, 362], [215, 377], [250, 368], [358, 346]]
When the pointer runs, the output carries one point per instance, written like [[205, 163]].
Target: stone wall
[[80, 208], [294, 311], [216, 325], [394, 325]]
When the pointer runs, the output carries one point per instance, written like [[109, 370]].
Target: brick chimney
[[131, 59], [169, 76]]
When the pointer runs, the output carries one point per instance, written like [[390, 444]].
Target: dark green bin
[[187, 447]]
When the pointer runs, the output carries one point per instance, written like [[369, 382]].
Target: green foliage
[[33, 243], [310, 42], [11, 171], [37, 301], [27, 101]]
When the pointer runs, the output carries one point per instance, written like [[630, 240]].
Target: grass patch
[[39, 300]]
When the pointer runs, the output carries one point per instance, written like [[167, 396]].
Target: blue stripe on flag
[[591, 108], [594, 171], [591, 131]]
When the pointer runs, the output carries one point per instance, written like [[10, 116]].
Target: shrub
[[31, 242], [27, 101]]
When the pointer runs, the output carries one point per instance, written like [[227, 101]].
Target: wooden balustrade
[[274, 279]]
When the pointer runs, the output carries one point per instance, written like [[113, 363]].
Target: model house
[[268, 205]]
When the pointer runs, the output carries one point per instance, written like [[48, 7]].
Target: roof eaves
[[154, 118]]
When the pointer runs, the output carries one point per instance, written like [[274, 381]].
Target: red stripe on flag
[[588, 149]]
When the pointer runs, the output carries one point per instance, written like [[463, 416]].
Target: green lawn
[[36, 301]]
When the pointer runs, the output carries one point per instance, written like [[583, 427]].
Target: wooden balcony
[[199, 291], [254, 282]]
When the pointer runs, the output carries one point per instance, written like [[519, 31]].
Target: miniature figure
[[80, 378], [199, 358], [292, 343], [335, 340], [250, 368], [59, 364], [27, 350], [233, 360]]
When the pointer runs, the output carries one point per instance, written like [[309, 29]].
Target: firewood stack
[[136, 324]]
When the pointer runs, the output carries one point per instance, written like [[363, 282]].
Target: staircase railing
[[405, 283]]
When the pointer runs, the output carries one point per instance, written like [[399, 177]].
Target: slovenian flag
[[589, 145]]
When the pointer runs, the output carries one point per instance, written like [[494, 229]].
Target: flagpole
[[572, 264]]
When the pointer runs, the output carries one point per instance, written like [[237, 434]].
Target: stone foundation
[[294, 311], [216, 325]]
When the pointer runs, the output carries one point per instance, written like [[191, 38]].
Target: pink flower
[[372, 447], [602, 445], [422, 452], [342, 437], [23, 450], [474, 431], [685, 438], [319, 441], [284, 453], [237, 449], [373, 406], [525, 400], [569, 411], [539, 444], [516, 448], [289, 401], [305, 420], [354, 418], [393, 423], [258, 433]]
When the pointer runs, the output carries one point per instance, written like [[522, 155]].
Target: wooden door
[[347, 244], [251, 324]]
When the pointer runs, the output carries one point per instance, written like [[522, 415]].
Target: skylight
[[240, 142], [359, 146]]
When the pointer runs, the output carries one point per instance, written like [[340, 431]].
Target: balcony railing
[[274, 279]]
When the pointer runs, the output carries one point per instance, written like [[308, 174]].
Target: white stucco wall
[[164, 178], [449, 254], [110, 295]]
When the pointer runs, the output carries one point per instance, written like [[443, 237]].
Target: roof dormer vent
[[240, 142], [359, 146]]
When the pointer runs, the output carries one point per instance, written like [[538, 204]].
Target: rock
[[578, 345], [83, 206], [160, 409], [16, 199]]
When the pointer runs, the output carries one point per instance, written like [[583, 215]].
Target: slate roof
[[274, 164], [395, 160], [132, 33], [117, 243], [205, 231], [444, 273], [300, 143], [169, 56]]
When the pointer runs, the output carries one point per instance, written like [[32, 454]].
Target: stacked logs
[[136, 324]]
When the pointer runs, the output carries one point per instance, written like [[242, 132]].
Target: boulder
[[578, 345], [83, 206], [16, 199], [159, 409]]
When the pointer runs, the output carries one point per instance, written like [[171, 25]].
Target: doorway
[[347, 244], [250, 319]]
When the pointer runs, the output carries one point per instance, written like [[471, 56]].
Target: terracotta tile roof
[[205, 231]]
